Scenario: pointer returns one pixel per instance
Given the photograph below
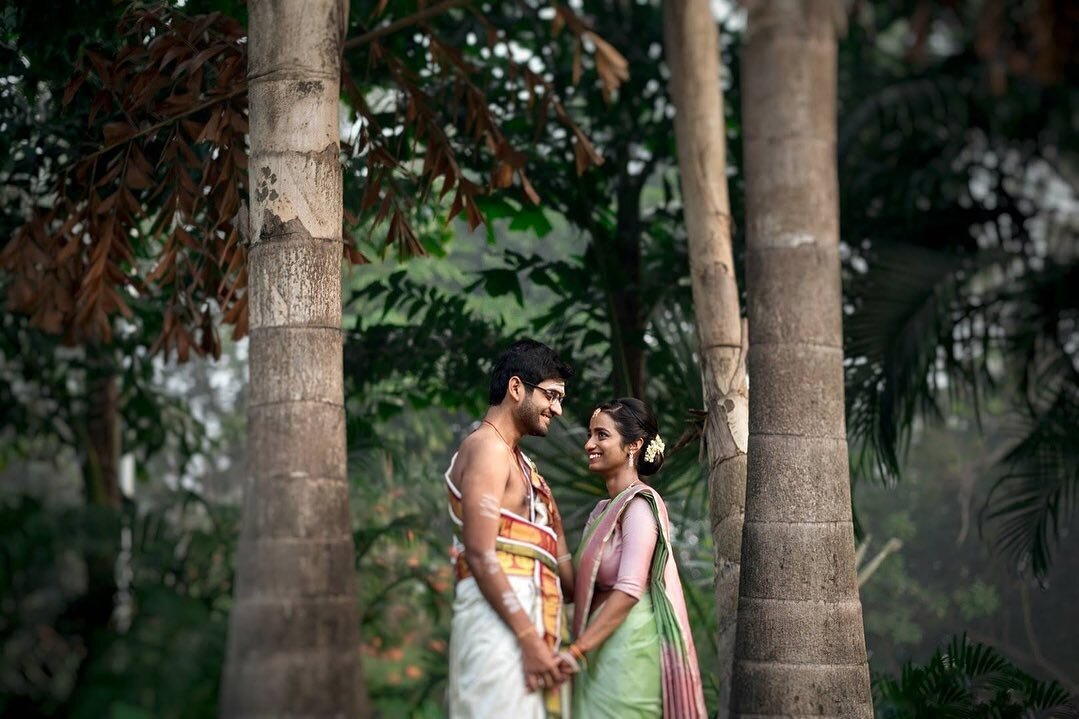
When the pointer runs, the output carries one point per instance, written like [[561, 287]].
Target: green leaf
[[501, 282], [531, 219], [495, 208]]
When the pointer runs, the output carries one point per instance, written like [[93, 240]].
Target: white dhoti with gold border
[[487, 678]]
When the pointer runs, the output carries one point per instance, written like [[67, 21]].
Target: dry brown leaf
[[577, 63], [530, 191], [557, 23], [502, 176], [611, 66], [136, 178], [472, 212]]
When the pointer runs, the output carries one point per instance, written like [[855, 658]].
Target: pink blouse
[[627, 557]]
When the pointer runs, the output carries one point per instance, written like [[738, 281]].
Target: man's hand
[[541, 665]]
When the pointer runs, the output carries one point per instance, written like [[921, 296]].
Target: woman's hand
[[606, 620], [568, 663]]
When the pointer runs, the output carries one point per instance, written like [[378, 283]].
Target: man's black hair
[[530, 360]]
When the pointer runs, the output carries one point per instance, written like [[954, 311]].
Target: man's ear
[[514, 388]]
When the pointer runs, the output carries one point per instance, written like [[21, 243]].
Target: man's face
[[540, 405]]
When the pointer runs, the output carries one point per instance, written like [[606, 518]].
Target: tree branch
[[241, 89], [403, 23]]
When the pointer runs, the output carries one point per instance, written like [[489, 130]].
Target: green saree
[[648, 666], [622, 680]]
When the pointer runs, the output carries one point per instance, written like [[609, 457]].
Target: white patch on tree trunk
[[793, 239], [290, 186], [737, 407]]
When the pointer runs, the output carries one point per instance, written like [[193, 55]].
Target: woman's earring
[[631, 453]]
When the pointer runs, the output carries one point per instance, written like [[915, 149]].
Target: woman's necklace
[[634, 483]]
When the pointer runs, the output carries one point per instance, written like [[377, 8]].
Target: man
[[515, 566]]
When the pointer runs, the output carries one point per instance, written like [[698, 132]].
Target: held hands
[[543, 669], [568, 663], [572, 659]]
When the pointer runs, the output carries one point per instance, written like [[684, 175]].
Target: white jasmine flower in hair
[[656, 446]]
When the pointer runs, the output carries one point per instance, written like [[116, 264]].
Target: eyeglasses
[[552, 395]]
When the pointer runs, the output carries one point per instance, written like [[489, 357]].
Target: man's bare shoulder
[[483, 446], [481, 457]]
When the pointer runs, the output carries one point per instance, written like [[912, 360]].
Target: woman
[[634, 654]]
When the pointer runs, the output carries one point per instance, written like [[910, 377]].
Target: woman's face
[[605, 448]]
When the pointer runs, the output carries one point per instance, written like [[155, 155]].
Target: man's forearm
[[539, 663], [496, 589], [565, 567]]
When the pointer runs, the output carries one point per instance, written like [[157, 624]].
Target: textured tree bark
[[101, 479], [293, 647], [692, 52], [800, 648], [101, 463]]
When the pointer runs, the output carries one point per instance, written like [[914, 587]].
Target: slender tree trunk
[[628, 311], [692, 51], [101, 479], [101, 462], [294, 647], [618, 255], [90, 615], [800, 648]]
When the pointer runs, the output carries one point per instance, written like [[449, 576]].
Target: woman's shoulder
[[640, 506], [647, 492], [644, 509]]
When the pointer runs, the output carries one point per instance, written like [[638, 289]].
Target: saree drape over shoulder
[[648, 666], [486, 671]]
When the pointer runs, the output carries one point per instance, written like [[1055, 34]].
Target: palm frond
[[1035, 499], [966, 680], [902, 348]]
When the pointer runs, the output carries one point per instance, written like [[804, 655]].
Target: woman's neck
[[618, 481]]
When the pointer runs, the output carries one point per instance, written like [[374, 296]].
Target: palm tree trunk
[[293, 646], [800, 648], [692, 51]]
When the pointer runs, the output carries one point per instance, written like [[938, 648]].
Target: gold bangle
[[578, 655], [525, 630], [565, 558]]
